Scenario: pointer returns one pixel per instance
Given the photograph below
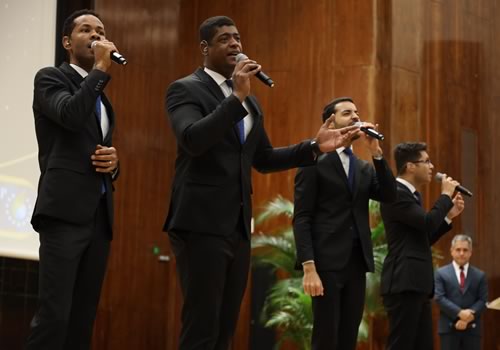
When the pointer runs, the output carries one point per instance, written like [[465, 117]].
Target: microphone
[[370, 131], [263, 77], [115, 56], [459, 188]]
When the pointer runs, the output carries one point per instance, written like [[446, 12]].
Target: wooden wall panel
[[423, 70]]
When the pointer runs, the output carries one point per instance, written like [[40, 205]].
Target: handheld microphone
[[370, 131], [115, 56], [263, 77], [459, 188]]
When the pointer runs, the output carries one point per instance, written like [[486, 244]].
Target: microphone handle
[[372, 133], [263, 77], [118, 58], [463, 190]]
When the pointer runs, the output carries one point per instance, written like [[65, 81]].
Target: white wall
[[27, 35]]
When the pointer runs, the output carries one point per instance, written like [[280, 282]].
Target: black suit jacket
[[451, 300], [212, 182], [326, 212], [410, 232], [68, 131]]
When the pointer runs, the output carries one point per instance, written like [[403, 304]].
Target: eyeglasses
[[427, 161]]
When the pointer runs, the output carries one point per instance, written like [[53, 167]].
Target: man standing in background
[[73, 214], [461, 292]]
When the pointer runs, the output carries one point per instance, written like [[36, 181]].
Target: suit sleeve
[[196, 132], [431, 222], [56, 101], [482, 297], [304, 210], [383, 188], [447, 306], [269, 159]]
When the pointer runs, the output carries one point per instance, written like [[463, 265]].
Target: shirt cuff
[[448, 221], [308, 262]]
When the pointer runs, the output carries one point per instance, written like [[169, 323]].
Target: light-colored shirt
[[226, 90], [344, 159], [104, 114], [457, 270]]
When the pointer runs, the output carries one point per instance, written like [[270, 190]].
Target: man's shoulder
[[443, 268], [476, 270]]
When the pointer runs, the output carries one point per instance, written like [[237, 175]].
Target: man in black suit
[[407, 275], [332, 230], [74, 210], [220, 136], [461, 292]]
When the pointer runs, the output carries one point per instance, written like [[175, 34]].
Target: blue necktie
[[352, 165], [240, 126], [98, 112]]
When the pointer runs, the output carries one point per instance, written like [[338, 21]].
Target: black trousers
[[213, 272], [337, 314], [72, 265], [410, 321], [460, 340]]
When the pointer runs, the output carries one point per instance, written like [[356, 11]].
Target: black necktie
[[240, 126], [352, 165], [418, 197]]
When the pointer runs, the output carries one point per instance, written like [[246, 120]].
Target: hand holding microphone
[[370, 131], [105, 52], [445, 180]]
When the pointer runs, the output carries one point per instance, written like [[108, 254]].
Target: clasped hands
[[105, 159], [466, 316]]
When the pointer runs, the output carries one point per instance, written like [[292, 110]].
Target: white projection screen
[[27, 37]]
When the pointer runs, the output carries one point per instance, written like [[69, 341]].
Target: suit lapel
[[210, 83], [77, 80], [468, 279], [357, 176]]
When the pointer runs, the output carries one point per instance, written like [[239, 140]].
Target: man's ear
[[204, 47], [66, 42]]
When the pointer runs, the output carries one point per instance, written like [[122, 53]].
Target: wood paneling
[[422, 69]]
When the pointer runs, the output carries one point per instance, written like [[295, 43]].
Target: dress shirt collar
[[219, 78], [340, 150], [80, 70], [457, 268], [407, 184]]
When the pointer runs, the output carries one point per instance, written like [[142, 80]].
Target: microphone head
[[439, 177], [241, 56]]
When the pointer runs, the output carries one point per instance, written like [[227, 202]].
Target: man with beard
[[332, 230]]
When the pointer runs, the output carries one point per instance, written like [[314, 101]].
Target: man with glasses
[[332, 230], [407, 275]]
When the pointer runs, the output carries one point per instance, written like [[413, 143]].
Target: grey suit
[[451, 300]]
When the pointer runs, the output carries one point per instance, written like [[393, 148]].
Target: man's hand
[[329, 139], [241, 77], [466, 315], [458, 206], [461, 325], [448, 185], [102, 53], [311, 281], [105, 159], [372, 143]]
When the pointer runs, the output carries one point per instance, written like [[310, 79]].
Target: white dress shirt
[[457, 270]]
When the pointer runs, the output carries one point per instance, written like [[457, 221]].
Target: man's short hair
[[330, 107], [69, 22], [407, 152], [209, 27], [461, 237]]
